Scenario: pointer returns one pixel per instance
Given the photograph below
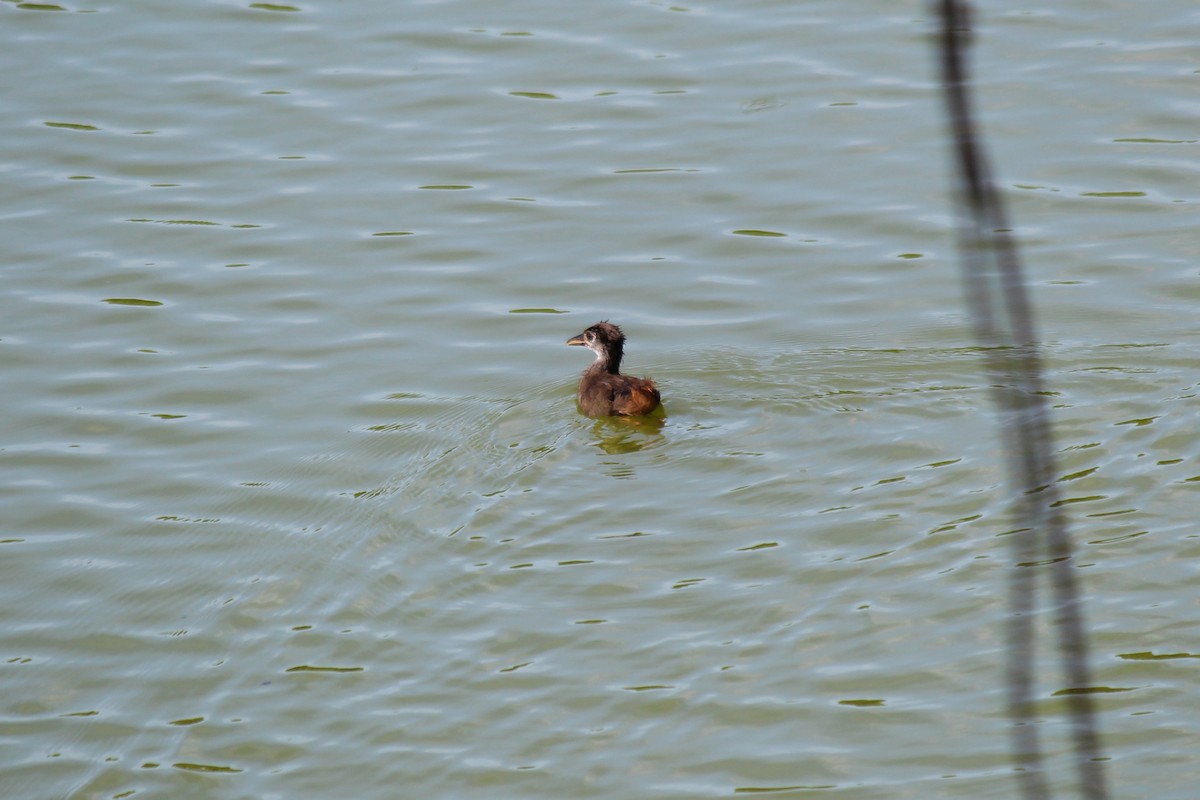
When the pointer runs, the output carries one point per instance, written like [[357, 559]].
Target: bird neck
[[609, 360]]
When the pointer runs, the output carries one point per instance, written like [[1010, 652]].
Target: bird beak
[[576, 340]]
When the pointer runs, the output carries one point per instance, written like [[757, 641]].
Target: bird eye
[[589, 337]]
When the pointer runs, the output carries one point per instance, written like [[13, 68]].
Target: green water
[[298, 504]]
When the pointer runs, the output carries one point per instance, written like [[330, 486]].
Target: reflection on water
[[628, 434]]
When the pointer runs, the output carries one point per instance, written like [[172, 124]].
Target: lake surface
[[297, 499]]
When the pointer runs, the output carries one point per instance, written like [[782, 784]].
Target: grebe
[[603, 390]]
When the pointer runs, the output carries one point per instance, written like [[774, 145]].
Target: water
[[297, 500]]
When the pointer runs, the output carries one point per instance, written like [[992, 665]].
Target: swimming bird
[[603, 390]]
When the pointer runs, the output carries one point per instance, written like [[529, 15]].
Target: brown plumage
[[603, 390]]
